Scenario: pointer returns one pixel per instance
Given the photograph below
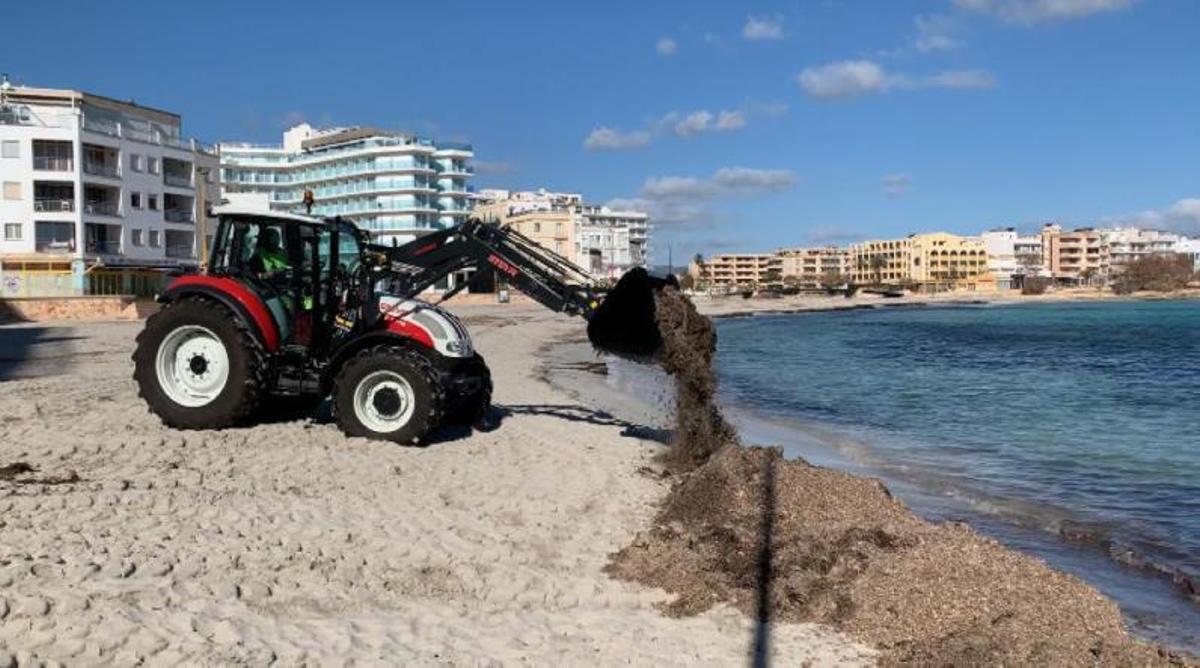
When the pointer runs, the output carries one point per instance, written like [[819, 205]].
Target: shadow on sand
[[577, 413], [18, 346]]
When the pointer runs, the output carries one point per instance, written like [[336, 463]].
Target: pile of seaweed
[[787, 541]]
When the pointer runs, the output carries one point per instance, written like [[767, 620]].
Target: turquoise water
[[1068, 430]]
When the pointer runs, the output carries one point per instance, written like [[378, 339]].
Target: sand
[[288, 542]]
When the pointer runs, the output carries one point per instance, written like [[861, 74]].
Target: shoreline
[[737, 307], [592, 383]]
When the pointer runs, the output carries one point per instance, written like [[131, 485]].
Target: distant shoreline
[[737, 307]]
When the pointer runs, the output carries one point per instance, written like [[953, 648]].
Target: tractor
[[305, 308]]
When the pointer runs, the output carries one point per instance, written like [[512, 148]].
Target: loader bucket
[[624, 324]]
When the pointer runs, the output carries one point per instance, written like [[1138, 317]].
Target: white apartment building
[[1130, 243], [606, 242], [395, 185], [1011, 256], [98, 195]]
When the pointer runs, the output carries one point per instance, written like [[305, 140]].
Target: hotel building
[[99, 195], [738, 271], [1078, 256], [395, 185], [813, 268], [930, 262]]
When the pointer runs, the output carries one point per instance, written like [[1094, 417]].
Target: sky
[[739, 126]]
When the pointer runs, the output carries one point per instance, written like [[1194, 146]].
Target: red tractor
[[308, 308]]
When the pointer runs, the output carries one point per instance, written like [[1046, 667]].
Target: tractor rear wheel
[[387, 393], [198, 366]]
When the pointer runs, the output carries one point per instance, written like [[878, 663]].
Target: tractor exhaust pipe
[[625, 324]]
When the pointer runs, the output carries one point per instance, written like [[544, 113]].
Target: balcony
[[102, 239], [53, 205], [177, 180], [177, 173], [178, 216], [54, 238], [53, 197], [178, 208], [101, 208], [105, 169]]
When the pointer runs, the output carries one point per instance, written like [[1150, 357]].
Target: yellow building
[[738, 270], [928, 262], [813, 268], [554, 230]]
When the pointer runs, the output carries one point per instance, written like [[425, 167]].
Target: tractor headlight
[[459, 347]]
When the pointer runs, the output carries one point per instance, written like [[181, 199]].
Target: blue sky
[[741, 126]]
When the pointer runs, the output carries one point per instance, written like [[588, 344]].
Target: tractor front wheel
[[387, 393]]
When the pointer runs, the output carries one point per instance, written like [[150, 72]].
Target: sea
[[1070, 430]]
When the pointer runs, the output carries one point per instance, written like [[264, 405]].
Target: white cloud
[[1030, 12], [685, 200], [605, 138], [694, 123], [897, 185], [1183, 216], [681, 124], [731, 120], [848, 78], [854, 78], [762, 28], [666, 46], [935, 33]]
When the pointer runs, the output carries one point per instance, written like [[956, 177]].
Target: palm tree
[[878, 262]]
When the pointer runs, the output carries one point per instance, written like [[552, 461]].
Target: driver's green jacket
[[272, 261]]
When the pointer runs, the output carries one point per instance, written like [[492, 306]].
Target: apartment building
[[606, 242], [98, 195], [1012, 257], [738, 271], [397, 186], [1078, 256], [1128, 244], [814, 268], [930, 262]]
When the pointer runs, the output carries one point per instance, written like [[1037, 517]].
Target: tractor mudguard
[[235, 296]]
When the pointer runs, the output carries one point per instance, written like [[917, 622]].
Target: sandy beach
[[288, 542]]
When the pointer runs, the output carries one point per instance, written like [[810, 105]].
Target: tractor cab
[[294, 264]]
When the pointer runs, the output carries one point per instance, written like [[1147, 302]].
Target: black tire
[[415, 369], [248, 370]]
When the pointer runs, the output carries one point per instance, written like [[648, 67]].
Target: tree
[[687, 281], [1158, 273], [772, 277], [878, 262]]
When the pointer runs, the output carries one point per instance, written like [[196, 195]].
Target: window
[[10, 149], [12, 231], [135, 162], [135, 200], [154, 238], [152, 202], [12, 190], [137, 237], [152, 164]]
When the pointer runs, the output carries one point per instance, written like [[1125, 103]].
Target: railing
[[101, 169], [178, 216], [48, 164], [177, 180], [453, 146], [180, 251], [101, 208], [55, 247], [103, 247], [53, 205]]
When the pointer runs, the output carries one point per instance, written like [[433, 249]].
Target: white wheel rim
[[384, 401], [192, 365]]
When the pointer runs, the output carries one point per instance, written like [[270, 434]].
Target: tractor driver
[[269, 258]]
